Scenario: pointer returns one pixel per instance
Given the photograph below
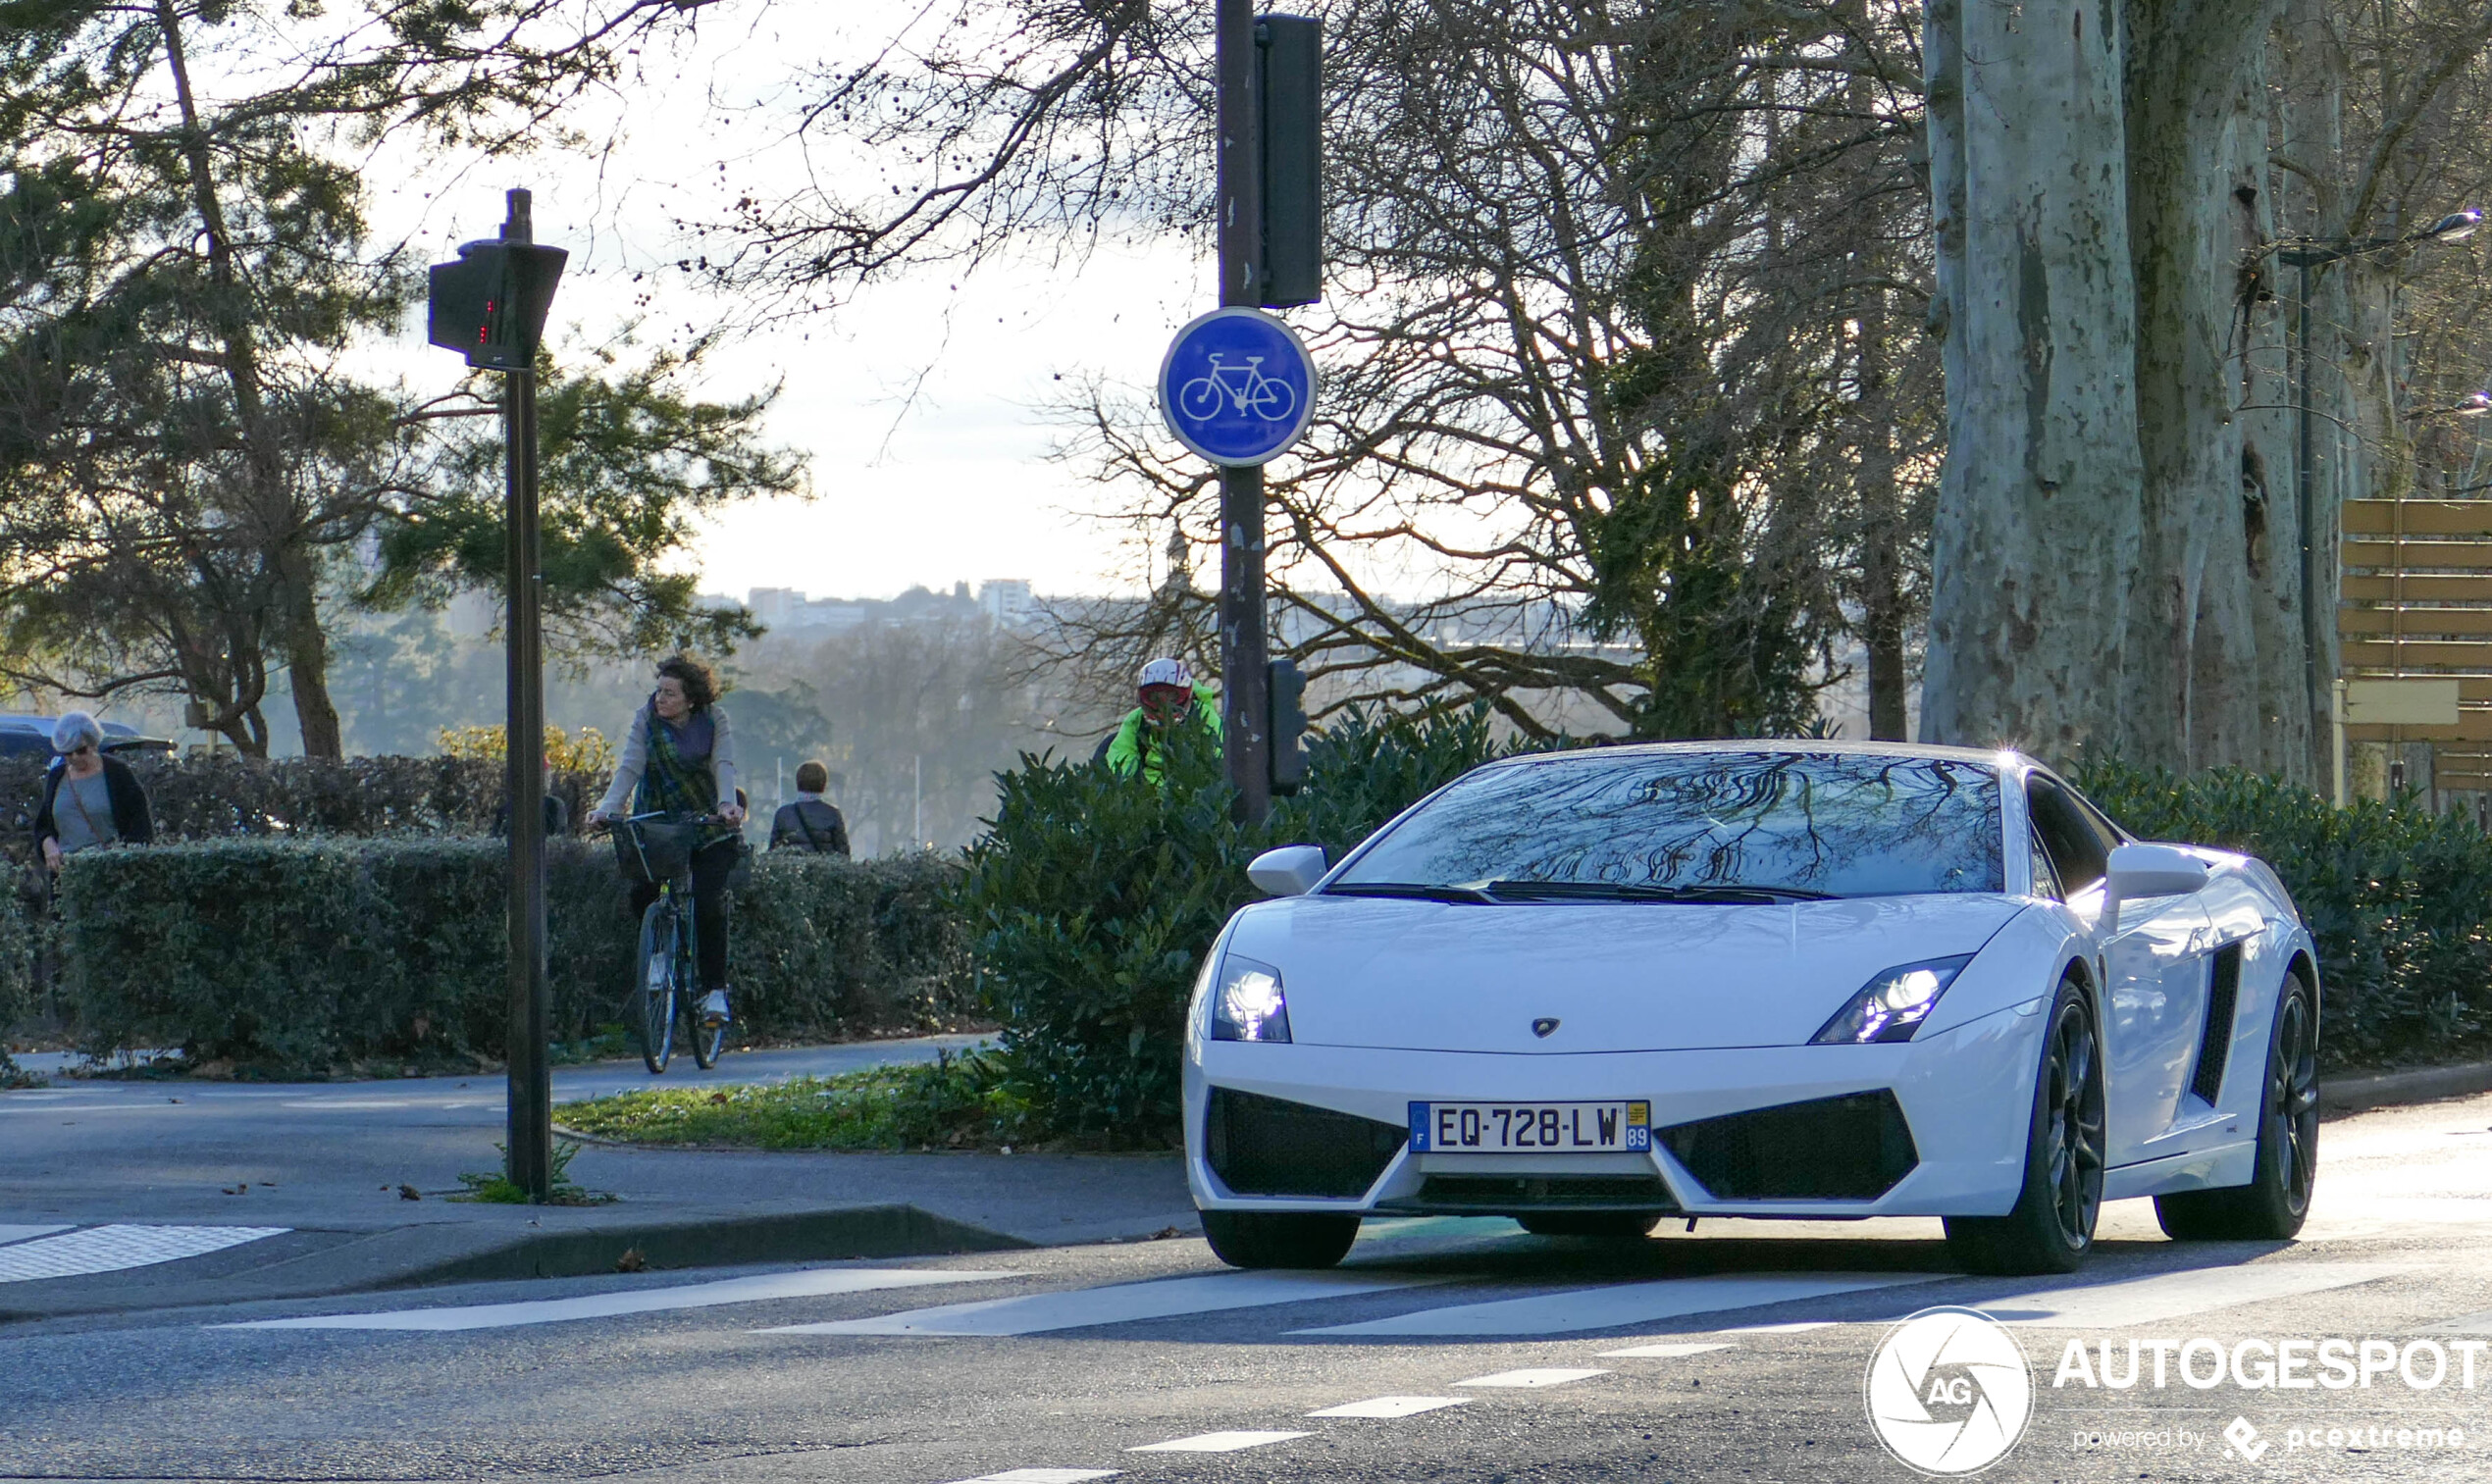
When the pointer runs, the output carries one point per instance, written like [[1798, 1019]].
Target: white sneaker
[[713, 1008]]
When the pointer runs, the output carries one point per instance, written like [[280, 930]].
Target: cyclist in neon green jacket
[[1169, 697]]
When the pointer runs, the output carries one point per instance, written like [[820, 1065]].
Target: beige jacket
[[635, 761]]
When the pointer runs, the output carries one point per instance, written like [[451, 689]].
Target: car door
[[2154, 962]]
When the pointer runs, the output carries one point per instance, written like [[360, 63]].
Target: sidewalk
[[325, 1163]]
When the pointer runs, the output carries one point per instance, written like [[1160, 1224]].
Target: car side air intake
[[1270, 1147], [1853, 1148]]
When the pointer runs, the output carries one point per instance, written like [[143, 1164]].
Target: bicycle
[[1246, 387], [658, 848]]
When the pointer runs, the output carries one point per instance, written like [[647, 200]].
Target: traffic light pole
[[530, 1142], [1245, 722]]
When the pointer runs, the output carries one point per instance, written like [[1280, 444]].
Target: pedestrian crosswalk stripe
[[1390, 1406], [1795, 1327], [1120, 1303], [1042, 1476], [1217, 1441], [113, 1249], [1617, 1305], [2131, 1302], [1542, 1376], [811, 1284], [1671, 1351]]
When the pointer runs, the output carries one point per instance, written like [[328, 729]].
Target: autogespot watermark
[[1948, 1391]]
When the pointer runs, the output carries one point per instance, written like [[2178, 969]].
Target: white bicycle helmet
[[1165, 672]]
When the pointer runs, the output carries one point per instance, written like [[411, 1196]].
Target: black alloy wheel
[[2074, 1153], [2051, 1228], [2285, 1171]]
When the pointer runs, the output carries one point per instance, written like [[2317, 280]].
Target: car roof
[[1995, 757]]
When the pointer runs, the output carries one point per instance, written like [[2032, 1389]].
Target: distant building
[[1008, 600]]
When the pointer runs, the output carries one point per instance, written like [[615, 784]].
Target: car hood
[[1616, 976]]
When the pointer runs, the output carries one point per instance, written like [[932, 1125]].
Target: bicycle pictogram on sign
[[1236, 386]]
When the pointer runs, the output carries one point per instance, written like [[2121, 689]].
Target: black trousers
[[710, 865]]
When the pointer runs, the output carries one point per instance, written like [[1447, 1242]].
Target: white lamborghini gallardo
[[1807, 979]]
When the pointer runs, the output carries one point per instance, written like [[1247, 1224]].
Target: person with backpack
[[812, 822]]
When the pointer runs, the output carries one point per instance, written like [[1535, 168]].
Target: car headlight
[[1892, 1006], [1247, 1004]]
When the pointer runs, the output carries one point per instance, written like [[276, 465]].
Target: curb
[[2353, 1095]]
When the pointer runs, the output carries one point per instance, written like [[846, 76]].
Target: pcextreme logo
[[1948, 1391]]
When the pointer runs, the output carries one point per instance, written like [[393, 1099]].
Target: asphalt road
[[1099, 1357]]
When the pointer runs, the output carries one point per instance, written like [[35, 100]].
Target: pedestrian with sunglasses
[[88, 799]]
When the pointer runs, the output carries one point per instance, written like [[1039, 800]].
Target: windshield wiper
[[1727, 893], [1410, 889]]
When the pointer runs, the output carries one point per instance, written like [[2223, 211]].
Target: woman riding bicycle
[[680, 758]]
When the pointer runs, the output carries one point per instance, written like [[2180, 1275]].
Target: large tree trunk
[[2036, 547], [2192, 655]]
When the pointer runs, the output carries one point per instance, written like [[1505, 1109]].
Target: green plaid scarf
[[677, 783]]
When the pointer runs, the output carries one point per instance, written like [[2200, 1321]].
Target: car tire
[[1280, 1239], [2273, 1205], [1619, 1226], [2051, 1228]]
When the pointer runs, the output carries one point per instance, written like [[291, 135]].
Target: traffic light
[[490, 305], [1286, 688], [1289, 97]]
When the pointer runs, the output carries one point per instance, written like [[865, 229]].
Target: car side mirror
[[1290, 871], [2154, 870]]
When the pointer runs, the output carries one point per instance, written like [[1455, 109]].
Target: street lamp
[[2453, 228]]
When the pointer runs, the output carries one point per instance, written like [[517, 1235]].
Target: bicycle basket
[[654, 850]]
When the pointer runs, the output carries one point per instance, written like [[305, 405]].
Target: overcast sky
[[918, 401]]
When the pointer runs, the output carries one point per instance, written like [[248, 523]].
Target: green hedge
[[2399, 901], [204, 798], [293, 956], [1094, 898]]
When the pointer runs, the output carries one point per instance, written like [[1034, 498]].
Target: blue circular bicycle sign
[[1236, 386]]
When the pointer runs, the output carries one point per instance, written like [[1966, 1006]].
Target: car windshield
[[1720, 827]]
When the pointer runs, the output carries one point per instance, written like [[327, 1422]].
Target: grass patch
[[495, 1188], [951, 1102]]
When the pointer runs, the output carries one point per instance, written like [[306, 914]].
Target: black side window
[[2078, 849]]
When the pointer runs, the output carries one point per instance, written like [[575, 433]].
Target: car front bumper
[[1965, 1096]]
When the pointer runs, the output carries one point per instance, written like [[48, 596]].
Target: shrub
[[18, 924], [200, 797], [1094, 899], [293, 956], [2399, 901]]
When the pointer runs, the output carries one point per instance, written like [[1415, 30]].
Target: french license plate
[[1534, 1128]]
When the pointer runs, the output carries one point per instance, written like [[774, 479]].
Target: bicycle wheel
[[706, 1040], [1200, 398], [1273, 401], [653, 986]]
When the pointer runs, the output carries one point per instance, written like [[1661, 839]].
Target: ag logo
[[1948, 1391], [1543, 1026]]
